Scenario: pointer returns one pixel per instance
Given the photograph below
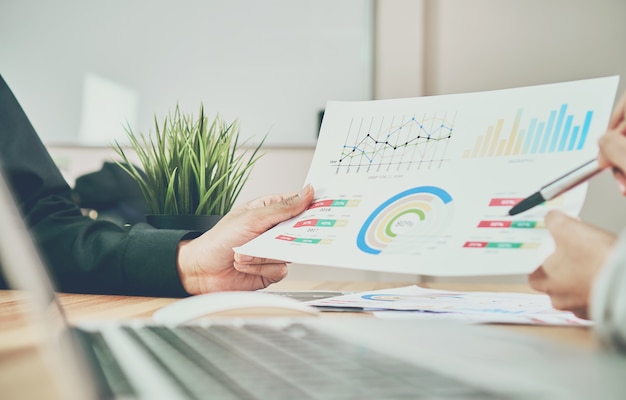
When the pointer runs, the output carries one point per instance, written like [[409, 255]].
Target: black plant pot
[[188, 222]]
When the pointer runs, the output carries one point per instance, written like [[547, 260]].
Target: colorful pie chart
[[410, 217]]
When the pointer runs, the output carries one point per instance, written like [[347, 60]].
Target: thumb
[[561, 225], [289, 207], [554, 217], [556, 221]]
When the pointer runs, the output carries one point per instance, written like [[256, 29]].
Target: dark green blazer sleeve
[[83, 255]]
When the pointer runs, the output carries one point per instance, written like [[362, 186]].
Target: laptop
[[296, 358]]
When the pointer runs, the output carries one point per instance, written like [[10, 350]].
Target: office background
[[292, 54]]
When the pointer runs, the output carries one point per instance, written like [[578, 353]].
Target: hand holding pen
[[559, 186], [581, 250], [613, 145]]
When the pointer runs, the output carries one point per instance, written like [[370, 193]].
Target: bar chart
[[559, 132]]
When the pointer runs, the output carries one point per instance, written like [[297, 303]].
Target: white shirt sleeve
[[608, 299]]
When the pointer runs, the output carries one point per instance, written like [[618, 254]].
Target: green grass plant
[[192, 165]]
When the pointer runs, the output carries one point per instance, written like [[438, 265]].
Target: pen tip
[[526, 204], [516, 209]]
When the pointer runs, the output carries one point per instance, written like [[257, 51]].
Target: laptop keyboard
[[293, 362]]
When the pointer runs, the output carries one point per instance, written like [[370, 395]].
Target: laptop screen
[[24, 270]]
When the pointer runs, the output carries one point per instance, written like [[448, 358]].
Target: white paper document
[[472, 307], [423, 185]]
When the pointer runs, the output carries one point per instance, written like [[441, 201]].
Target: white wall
[[492, 44], [399, 49], [85, 69]]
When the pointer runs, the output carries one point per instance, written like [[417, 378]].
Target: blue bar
[[531, 131], [568, 126], [572, 141], [557, 128], [548, 132], [585, 131], [537, 137]]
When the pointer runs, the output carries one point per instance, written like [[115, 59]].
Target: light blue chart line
[[529, 137], [585, 131], [539, 133], [548, 132], [566, 129], [572, 141], [557, 128]]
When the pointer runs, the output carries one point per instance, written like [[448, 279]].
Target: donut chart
[[419, 211]]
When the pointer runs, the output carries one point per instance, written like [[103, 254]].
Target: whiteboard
[[83, 70]]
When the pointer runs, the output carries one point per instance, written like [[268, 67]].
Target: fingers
[[553, 218], [246, 259], [620, 178], [613, 145], [565, 229], [619, 113], [565, 302], [561, 299], [612, 149], [581, 312], [270, 272], [557, 221], [538, 280]]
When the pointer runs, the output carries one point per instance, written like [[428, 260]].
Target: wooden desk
[[23, 375]]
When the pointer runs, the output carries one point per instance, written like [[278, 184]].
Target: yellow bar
[[483, 151], [496, 136], [501, 147], [518, 145], [479, 140], [513, 137], [466, 153]]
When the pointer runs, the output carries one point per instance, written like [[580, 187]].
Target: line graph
[[375, 144]]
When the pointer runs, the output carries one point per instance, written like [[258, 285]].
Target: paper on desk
[[473, 307], [423, 185]]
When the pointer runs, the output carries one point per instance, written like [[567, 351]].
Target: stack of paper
[[473, 307]]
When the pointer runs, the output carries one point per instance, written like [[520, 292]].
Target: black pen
[[559, 186]]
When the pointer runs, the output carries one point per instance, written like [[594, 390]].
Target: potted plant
[[193, 169]]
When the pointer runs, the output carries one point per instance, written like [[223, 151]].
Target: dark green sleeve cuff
[[149, 261]]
